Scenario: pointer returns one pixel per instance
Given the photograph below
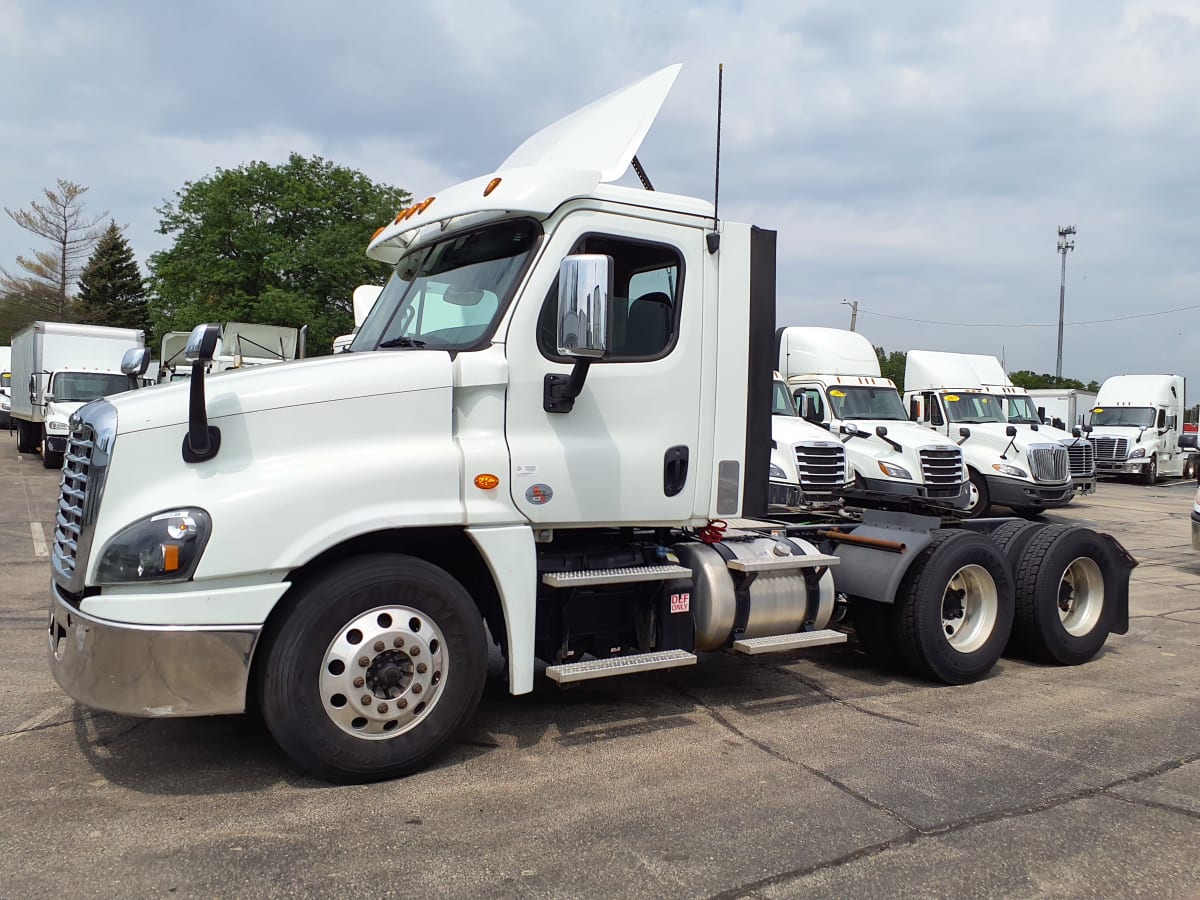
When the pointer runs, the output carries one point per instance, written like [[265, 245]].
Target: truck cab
[[808, 464], [1136, 426], [835, 379], [1013, 465]]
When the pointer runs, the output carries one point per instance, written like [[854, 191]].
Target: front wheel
[[979, 500], [375, 666], [1151, 475]]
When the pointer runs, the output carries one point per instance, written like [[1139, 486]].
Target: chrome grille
[[1083, 460], [1049, 463], [822, 467], [942, 466], [1111, 448], [85, 465]]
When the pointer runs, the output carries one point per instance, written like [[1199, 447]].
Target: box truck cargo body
[[1065, 408]]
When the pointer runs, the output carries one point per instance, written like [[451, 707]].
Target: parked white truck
[[242, 345], [1067, 406], [5, 387], [835, 379], [1009, 464], [1136, 425], [567, 384], [57, 367], [808, 464]]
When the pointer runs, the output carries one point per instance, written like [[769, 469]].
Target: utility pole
[[853, 312], [1064, 231]]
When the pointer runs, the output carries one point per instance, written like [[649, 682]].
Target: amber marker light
[[378, 231], [486, 482], [424, 204], [170, 557], [491, 186]]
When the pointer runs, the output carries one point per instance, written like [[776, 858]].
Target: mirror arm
[[202, 440], [559, 391]]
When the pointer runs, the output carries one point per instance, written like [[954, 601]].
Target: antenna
[[714, 239]]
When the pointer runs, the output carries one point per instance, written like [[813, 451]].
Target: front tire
[[1151, 475], [979, 500], [954, 608], [375, 666]]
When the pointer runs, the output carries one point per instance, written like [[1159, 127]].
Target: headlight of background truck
[[55, 425], [1138, 453], [1014, 471], [777, 473], [164, 547], [891, 470]]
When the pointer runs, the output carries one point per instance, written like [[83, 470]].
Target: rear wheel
[[979, 500], [954, 609], [373, 669], [1067, 585], [27, 436]]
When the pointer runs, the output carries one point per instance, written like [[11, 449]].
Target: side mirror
[[1075, 432], [1042, 413], [963, 434], [135, 362], [914, 409], [849, 428], [585, 290], [1087, 428], [202, 343], [881, 430], [1011, 431]]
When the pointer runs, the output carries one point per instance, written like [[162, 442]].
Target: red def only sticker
[[681, 603]]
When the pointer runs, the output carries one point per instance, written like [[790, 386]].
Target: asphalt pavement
[[799, 774]]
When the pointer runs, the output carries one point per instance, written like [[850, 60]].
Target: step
[[777, 642], [565, 673], [782, 563], [615, 576]]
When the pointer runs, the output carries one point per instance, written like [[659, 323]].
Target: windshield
[[973, 408], [781, 401], [85, 386], [1021, 410], [866, 402], [6, 380], [448, 295], [1136, 416]]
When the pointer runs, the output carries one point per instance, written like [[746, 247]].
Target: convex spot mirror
[[202, 343], [1011, 431], [135, 361], [585, 291]]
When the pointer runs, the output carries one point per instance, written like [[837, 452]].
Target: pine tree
[[111, 291]]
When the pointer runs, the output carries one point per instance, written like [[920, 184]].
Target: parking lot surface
[[807, 774]]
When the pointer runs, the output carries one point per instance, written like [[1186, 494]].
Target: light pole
[[1064, 231], [853, 312]]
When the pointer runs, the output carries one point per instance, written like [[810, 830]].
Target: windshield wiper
[[402, 342]]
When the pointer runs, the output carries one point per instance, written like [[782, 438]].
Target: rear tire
[[27, 436], [423, 641], [979, 500], [1067, 584], [954, 608]]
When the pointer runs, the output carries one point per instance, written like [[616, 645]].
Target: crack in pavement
[[916, 833], [830, 695], [1158, 804]]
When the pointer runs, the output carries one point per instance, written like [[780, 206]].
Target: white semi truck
[[835, 379], [1136, 425], [808, 464], [57, 367], [1068, 406], [527, 464], [1009, 464], [242, 345]]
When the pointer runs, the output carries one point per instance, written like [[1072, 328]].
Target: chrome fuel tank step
[[777, 643], [565, 673]]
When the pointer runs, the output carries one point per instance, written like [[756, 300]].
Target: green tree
[[1027, 379], [891, 365], [111, 291], [43, 289], [280, 245]]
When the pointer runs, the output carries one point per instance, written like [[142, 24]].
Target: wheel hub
[[383, 672], [1080, 596], [970, 607]]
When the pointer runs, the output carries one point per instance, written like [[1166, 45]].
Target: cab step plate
[[615, 576], [777, 642], [565, 673]]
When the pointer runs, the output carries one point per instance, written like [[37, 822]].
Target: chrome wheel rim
[[383, 672], [1080, 596], [970, 608], [972, 496]]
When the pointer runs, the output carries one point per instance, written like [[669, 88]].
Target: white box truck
[[5, 387], [1009, 465], [835, 379], [1136, 425], [57, 367], [1065, 408], [808, 464], [564, 398]]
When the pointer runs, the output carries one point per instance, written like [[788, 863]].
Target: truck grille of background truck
[[1083, 462], [1110, 448], [1049, 464], [942, 468], [822, 468]]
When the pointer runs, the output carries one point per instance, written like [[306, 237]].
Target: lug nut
[[398, 643], [366, 700], [379, 645], [401, 703], [416, 689], [359, 681], [422, 668], [382, 707], [415, 651], [364, 661]]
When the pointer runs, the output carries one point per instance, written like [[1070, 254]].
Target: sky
[[915, 157]]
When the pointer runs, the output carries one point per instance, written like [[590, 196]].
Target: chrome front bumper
[[149, 670], [1127, 467]]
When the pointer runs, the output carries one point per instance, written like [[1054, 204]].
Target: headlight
[[1014, 471], [53, 425], [164, 547], [891, 470], [1138, 453], [777, 473]]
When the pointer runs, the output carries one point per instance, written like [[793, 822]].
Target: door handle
[[675, 470]]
